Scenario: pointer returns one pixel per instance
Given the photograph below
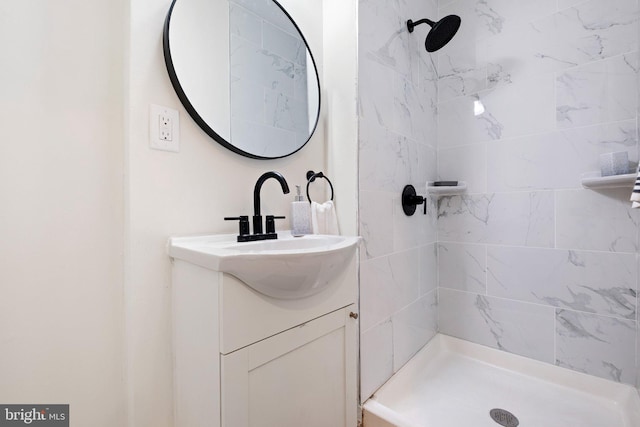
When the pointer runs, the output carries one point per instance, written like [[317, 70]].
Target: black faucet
[[257, 218]]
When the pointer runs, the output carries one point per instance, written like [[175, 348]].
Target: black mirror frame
[[194, 113]]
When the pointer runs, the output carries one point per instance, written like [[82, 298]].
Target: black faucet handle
[[243, 227], [271, 224]]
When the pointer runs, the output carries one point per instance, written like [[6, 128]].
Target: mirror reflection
[[245, 73]]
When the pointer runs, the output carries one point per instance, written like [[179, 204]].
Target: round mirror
[[244, 73]]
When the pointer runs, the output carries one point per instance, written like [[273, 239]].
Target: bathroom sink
[[286, 268]]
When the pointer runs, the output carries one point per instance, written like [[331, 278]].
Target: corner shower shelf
[[595, 181], [446, 190]]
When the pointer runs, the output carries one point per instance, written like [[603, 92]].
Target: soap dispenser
[[300, 215]]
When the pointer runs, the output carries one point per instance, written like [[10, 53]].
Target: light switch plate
[[164, 128]]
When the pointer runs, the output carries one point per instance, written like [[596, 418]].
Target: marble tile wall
[[397, 146], [529, 261], [638, 289], [268, 76]]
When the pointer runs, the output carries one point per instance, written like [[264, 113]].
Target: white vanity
[[282, 356]]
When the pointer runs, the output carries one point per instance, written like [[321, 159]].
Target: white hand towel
[[635, 195], [323, 218]]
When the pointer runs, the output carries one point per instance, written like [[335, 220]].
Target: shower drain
[[504, 418]]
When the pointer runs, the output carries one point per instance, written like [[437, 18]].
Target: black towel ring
[[311, 176]]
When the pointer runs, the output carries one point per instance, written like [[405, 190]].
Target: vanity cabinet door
[[305, 376]]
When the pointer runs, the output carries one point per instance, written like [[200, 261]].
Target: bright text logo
[[34, 415]]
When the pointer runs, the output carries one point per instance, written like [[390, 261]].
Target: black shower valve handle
[[416, 200], [410, 200], [419, 200]]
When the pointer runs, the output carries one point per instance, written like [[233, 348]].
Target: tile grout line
[[555, 336], [537, 304]]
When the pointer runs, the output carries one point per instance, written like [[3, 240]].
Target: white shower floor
[[454, 383]]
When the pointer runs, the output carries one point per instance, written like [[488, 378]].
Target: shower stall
[[519, 104]]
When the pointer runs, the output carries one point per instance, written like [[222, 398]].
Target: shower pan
[[455, 383]]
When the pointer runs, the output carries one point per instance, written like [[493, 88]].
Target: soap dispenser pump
[[300, 215]]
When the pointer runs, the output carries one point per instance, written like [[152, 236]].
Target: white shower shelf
[[594, 180], [446, 190]]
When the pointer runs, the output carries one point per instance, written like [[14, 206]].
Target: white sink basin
[[286, 268]]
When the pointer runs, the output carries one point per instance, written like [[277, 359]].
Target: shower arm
[[411, 25]]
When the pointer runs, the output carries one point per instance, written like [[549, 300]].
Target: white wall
[[61, 221], [339, 89], [185, 193], [66, 321]]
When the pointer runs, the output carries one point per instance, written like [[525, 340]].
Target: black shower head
[[441, 32]]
